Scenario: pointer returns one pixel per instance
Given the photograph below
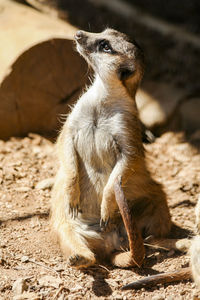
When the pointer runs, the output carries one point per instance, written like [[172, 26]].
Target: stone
[[2, 260], [24, 259], [157, 102], [27, 296], [183, 245], [170, 298], [190, 114], [61, 297], [170, 253], [22, 189], [158, 297], [19, 286], [45, 184], [52, 281]]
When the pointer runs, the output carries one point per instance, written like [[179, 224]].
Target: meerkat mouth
[[80, 37], [81, 47]]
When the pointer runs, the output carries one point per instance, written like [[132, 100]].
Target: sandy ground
[[30, 259], [31, 264]]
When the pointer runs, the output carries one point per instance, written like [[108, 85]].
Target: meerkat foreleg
[[71, 236], [109, 204], [65, 206], [69, 169]]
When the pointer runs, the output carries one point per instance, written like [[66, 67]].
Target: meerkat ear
[[126, 71]]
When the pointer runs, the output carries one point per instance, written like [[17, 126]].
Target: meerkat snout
[[78, 35]]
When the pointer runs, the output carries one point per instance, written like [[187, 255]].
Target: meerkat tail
[[136, 254], [181, 245], [162, 278], [192, 272]]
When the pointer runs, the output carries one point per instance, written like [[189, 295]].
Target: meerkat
[[101, 140]]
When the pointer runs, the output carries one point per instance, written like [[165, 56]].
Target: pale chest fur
[[95, 125], [94, 139], [95, 128], [97, 151]]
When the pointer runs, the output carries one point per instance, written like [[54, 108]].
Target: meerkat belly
[[96, 150]]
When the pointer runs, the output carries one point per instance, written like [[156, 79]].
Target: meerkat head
[[113, 56]]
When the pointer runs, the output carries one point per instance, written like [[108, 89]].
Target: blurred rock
[[19, 286], [157, 103], [24, 259], [45, 184], [190, 114], [23, 189], [27, 296], [158, 297], [52, 281], [2, 260]]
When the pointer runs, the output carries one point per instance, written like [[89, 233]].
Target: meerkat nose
[[79, 35]]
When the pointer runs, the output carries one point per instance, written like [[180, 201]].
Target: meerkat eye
[[104, 46]]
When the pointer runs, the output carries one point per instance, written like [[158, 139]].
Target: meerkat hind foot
[[80, 261]]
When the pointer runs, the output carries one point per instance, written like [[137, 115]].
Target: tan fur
[[195, 249], [101, 140], [195, 260]]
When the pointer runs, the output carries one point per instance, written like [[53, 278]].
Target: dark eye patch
[[104, 46]]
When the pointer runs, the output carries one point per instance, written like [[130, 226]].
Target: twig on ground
[[162, 278], [26, 216]]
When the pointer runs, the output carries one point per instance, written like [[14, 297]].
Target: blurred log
[[49, 7], [40, 72]]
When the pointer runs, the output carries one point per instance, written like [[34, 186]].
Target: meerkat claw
[[73, 211], [104, 224]]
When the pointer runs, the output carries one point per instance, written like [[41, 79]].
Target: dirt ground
[[31, 263], [30, 259]]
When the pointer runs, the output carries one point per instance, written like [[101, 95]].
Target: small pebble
[[22, 189], [183, 245], [19, 286], [24, 259], [158, 297], [170, 253], [45, 184]]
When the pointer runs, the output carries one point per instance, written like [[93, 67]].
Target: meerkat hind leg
[[75, 245]]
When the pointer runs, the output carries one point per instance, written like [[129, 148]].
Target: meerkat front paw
[[105, 216], [108, 208], [104, 223], [73, 199]]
